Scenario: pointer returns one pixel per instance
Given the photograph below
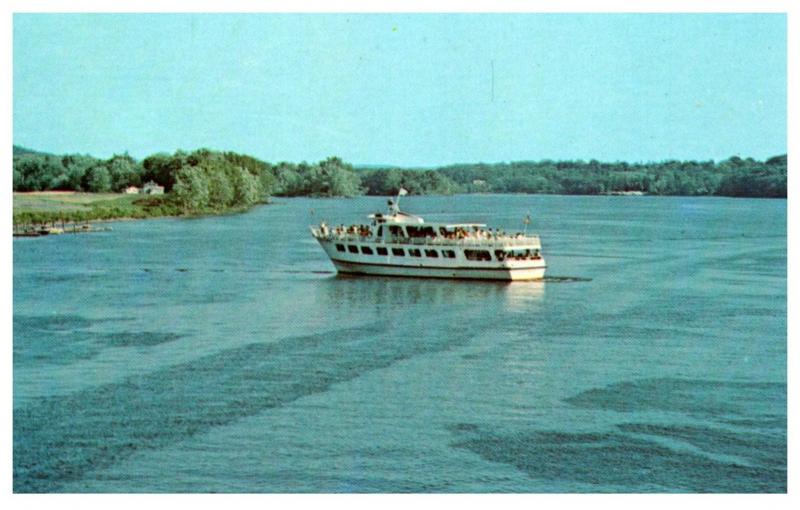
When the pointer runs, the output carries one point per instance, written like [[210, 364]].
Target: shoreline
[[54, 213], [54, 218]]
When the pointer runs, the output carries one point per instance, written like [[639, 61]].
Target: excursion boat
[[397, 243]]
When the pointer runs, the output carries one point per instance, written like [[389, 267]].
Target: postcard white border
[[350, 502]]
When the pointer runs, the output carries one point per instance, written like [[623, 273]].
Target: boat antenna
[[527, 221]]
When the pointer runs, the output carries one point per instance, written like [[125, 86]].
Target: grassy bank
[[48, 207]]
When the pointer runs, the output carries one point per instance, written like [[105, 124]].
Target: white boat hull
[[506, 274]]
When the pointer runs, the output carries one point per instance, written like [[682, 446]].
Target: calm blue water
[[223, 354]]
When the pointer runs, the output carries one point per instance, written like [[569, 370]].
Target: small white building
[[151, 188], [131, 190]]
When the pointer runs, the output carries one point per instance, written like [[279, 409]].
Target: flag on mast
[[402, 192]]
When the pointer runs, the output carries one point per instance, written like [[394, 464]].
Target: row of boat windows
[[399, 252], [479, 255]]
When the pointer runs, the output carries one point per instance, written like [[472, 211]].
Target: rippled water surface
[[224, 355]]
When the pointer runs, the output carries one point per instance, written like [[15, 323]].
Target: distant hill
[[372, 166], [23, 151], [778, 160]]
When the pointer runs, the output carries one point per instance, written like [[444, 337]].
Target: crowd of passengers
[[525, 255], [421, 232], [341, 230]]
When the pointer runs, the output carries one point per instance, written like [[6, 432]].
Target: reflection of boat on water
[[346, 291], [402, 244], [523, 297]]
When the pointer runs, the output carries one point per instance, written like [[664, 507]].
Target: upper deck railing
[[492, 241]]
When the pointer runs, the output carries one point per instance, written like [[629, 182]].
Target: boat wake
[[564, 279]]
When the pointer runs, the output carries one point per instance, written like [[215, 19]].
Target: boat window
[[500, 255], [523, 254], [366, 250], [380, 231], [340, 247], [432, 253], [420, 231], [398, 252], [396, 230], [448, 254], [414, 252], [382, 251], [352, 249], [482, 255]]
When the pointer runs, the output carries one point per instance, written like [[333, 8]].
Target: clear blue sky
[[404, 89]]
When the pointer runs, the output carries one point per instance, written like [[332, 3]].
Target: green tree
[[246, 187], [191, 189], [97, 179], [163, 168], [123, 171], [289, 182], [220, 189], [342, 181]]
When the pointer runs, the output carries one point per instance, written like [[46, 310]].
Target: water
[[224, 355]]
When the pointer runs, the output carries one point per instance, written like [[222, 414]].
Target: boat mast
[[394, 205]]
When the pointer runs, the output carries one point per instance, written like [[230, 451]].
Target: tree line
[[202, 181], [205, 180], [734, 177]]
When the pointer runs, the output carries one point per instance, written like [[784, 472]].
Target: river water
[[223, 354]]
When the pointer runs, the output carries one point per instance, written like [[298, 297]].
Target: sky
[[408, 90]]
